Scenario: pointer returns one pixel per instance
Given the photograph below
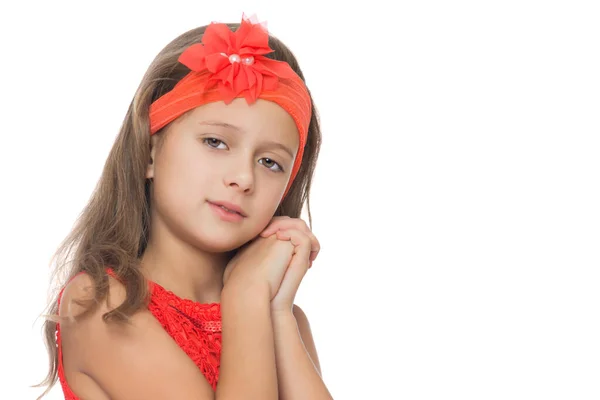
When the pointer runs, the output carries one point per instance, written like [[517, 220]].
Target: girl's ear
[[151, 163]]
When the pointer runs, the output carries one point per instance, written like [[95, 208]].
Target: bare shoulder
[[81, 289], [77, 297], [306, 334], [120, 357]]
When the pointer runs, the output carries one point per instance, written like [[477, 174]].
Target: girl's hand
[[306, 248], [263, 261], [285, 223]]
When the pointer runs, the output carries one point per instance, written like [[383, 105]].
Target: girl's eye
[[214, 143], [269, 163]]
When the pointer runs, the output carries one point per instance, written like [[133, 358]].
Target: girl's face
[[236, 154]]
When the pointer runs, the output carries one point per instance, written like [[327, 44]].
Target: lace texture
[[195, 327]]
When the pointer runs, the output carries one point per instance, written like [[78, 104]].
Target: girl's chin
[[222, 243]]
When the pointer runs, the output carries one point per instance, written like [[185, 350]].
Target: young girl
[[185, 263]]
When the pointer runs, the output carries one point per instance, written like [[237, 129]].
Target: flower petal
[[193, 57], [274, 67], [227, 93], [259, 82], [251, 76], [232, 78], [216, 62], [254, 41], [240, 81], [241, 33], [217, 38]]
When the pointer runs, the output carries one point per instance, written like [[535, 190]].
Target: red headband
[[228, 65]]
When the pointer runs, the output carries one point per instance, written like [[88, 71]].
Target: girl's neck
[[188, 272]]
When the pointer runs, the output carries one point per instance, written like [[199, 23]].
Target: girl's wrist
[[238, 292], [281, 312]]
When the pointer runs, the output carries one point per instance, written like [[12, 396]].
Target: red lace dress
[[196, 327]]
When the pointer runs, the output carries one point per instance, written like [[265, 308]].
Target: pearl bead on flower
[[234, 58]]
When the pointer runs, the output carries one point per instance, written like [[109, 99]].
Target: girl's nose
[[241, 177]]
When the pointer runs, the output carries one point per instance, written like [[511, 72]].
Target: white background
[[457, 196]]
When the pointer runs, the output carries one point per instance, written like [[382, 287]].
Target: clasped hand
[[279, 256]]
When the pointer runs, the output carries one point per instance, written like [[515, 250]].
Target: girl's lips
[[225, 215], [230, 207]]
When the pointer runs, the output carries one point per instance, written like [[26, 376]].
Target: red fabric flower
[[236, 60]]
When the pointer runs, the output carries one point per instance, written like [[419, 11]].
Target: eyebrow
[[237, 129], [221, 124], [280, 146]]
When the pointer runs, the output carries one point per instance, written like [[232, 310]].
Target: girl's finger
[[286, 235], [285, 223], [273, 225], [315, 246], [298, 224], [301, 242], [299, 263]]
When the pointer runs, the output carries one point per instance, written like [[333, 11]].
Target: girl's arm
[[247, 368], [298, 369]]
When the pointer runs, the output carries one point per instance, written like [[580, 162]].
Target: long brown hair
[[113, 227]]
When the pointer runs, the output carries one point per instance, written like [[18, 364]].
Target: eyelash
[[220, 141]]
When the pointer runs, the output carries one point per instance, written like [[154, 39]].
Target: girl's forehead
[[260, 117]]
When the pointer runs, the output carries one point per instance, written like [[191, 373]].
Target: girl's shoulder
[[80, 290], [120, 357], [78, 331]]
